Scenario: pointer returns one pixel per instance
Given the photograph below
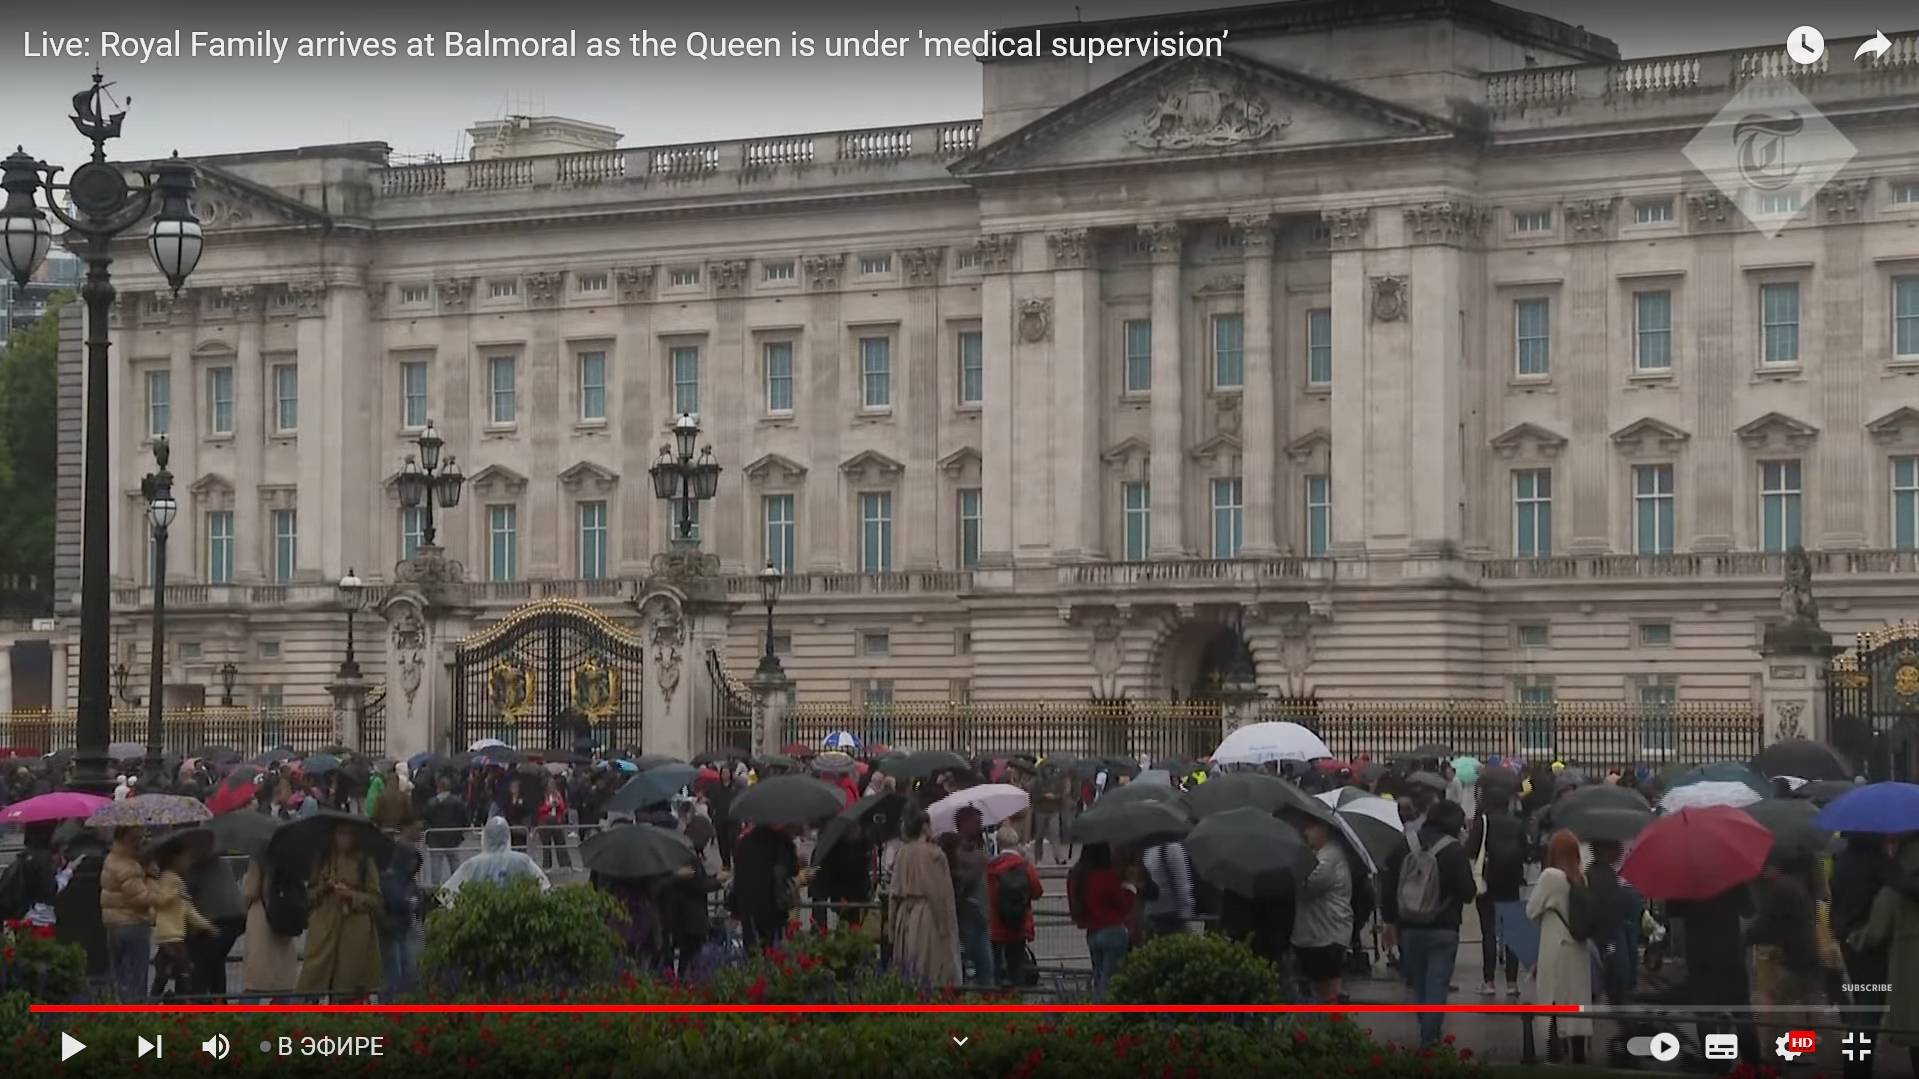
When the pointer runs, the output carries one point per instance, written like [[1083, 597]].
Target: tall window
[[1319, 515], [1652, 330], [1229, 518], [412, 531], [1138, 336], [286, 397], [1652, 509], [1532, 513], [781, 531], [1136, 501], [972, 367], [220, 547], [876, 372], [286, 545], [1656, 730], [778, 358], [1319, 346], [1779, 493], [1532, 336], [159, 402], [969, 527], [686, 380], [1229, 352], [1779, 322], [220, 400], [504, 394], [1536, 717], [413, 394], [1905, 503], [1905, 316], [592, 385], [592, 540], [503, 542], [876, 532]]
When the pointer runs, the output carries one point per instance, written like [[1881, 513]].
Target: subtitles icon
[[1857, 1047], [1722, 1047], [1794, 1044]]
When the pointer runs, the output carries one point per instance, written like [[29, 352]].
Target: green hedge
[[1195, 968], [508, 940]]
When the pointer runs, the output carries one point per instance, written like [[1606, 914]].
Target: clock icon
[[1806, 45]]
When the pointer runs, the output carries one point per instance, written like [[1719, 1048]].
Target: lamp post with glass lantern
[[683, 480], [229, 673], [769, 667], [426, 479], [99, 205], [353, 598], [157, 489]]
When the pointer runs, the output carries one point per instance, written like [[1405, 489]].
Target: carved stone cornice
[[158, 306], [1346, 226], [1071, 249], [1254, 232], [1712, 210], [309, 297], [1449, 222], [1164, 240], [922, 264], [996, 251], [1590, 219], [728, 276], [545, 287], [241, 300], [823, 271], [1222, 283], [635, 283], [1844, 200], [455, 292]]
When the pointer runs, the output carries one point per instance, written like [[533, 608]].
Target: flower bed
[[33, 963]]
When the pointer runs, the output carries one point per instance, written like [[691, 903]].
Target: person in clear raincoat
[[496, 863]]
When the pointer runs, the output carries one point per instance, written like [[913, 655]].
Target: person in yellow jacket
[[174, 916]]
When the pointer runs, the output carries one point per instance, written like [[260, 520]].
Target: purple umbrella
[[60, 805]]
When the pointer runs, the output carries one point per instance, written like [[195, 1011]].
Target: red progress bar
[[800, 1009]]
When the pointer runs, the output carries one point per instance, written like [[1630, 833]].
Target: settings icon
[[1783, 1046]]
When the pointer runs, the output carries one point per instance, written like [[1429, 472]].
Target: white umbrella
[[484, 743], [1793, 783], [1709, 792], [1260, 743], [995, 801], [1380, 809]]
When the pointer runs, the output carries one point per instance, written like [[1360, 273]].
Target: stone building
[[1404, 334]]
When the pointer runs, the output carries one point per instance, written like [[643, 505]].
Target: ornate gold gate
[[554, 674]]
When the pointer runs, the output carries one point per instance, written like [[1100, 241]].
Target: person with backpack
[[402, 931], [270, 964], [1428, 885], [1168, 888], [1497, 846], [1101, 902], [29, 885], [1568, 917], [1012, 884]]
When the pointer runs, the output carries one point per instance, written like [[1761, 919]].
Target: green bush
[[513, 939], [14, 1017], [1195, 968], [34, 963]]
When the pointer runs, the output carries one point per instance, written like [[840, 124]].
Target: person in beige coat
[[1564, 974], [270, 963], [343, 943], [925, 922]]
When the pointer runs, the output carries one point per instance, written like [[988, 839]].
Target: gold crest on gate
[[1905, 681], [510, 688], [596, 690]]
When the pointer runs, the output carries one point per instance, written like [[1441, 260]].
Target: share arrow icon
[[1875, 46]]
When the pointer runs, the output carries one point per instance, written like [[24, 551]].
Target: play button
[[70, 1045]]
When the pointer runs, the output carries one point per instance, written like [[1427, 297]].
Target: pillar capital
[[1164, 239], [1071, 248], [1255, 233]]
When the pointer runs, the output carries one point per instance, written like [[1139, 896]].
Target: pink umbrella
[[60, 805]]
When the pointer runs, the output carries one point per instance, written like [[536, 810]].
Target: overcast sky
[[218, 106]]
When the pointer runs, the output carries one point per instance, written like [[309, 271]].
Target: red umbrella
[[798, 749], [236, 791], [1329, 764], [1697, 853]]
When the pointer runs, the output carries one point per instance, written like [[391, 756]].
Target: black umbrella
[[877, 814], [1790, 822], [1821, 791], [1249, 853], [715, 756], [298, 845], [1132, 823], [198, 840], [320, 764], [1603, 812], [636, 852], [1429, 780], [217, 754], [782, 762], [1802, 758], [789, 800], [562, 756], [1233, 790], [497, 755], [649, 761], [651, 788], [242, 832], [1431, 751], [925, 764], [1140, 792]]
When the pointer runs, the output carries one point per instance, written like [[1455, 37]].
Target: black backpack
[[14, 897], [286, 904], [1505, 843], [1582, 913], [1012, 897], [397, 894]]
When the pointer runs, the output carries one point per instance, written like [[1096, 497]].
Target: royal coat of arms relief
[[1207, 113]]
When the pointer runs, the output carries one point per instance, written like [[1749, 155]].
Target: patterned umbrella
[[844, 741], [150, 810], [60, 805]]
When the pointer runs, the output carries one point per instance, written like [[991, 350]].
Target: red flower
[[757, 991], [1299, 1037], [1376, 1061], [1448, 1039], [1465, 1054]]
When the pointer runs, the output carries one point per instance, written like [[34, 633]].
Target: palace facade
[[1404, 336]]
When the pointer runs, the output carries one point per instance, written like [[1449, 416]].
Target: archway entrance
[[1200, 658]]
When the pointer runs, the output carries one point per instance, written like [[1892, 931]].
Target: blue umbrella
[[844, 741], [1878, 809], [651, 787]]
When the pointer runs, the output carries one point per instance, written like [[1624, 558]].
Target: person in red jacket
[[1101, 902], [551, 817], [1012, 884]]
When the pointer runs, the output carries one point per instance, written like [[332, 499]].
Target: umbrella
[[1709, 792], [636, 852], [126, 751], [1431, 751], [1429, 780], [924, 764], [783, 762], [1249, 853], [844, 741], [1467, 769], [1266, 793], [150, 811], [796, 749], [1153, 777], [1876, 809], [484, 743], [244, 832], [236, 791], [276, 755], [1723, 772], [1373, 821], [1140, 792], [878, 814], [651, 788], [995, 801], [1803, 758], [789, 800], [648, 761], [715, 756], [1790, 820], [1823, 792], [422, 761], [621, 766], [1697, 853], [496, 753], [1263, 743], [1603, 812], [219, 755], [297, 845], [198, 841], [59, 805], [1132, 824], [320, 764], [834, 762]]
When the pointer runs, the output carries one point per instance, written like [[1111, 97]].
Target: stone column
[[728, 416], [546, 423], [1077, 402], [349, 705], [1846, 281], [1798, 660], [683, 615], [769, 700], [6, 680], [1351, 451], [818, 388], [636, 361], [62, 695], [997, 254], [918, 381], [1705, 303], [1589, 364], [1259, 414], [426, 616], [1168, 405], [252, 428]]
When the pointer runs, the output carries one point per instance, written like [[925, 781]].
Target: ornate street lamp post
[[770, 579], [228, 675], [682, 480], [426, 479], [157, 489], [120, 688], [353, 598], [103, 206]]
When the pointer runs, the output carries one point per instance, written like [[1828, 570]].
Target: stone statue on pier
[[1795, 598]]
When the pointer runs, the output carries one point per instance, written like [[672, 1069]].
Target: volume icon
[[217, 1047]]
